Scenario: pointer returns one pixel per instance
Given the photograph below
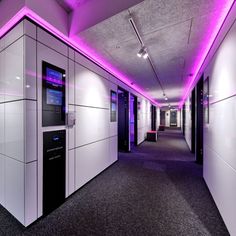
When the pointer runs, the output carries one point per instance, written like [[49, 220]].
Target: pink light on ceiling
[[77, 45], [216, 25]]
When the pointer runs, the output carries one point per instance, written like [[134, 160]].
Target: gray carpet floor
[[157, 189]]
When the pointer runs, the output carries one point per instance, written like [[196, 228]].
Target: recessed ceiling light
[[166, 98], [17, 77]]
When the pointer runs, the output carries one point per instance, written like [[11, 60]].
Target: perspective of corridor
[[157, 189], [117, 117]]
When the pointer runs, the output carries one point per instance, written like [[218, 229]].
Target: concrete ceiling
[[174, 33]]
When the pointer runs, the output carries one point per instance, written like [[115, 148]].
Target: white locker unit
[[28, 55]]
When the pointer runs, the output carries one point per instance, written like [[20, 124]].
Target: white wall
[[188, 122], [144, 119], [179, 118], [219, 134], [18, 123], [91, 143], [158, 118]]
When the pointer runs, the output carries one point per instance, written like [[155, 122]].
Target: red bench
[[152, 136]]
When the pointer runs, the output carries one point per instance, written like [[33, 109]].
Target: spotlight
[[145, 55], [140, 53], [166, 98]]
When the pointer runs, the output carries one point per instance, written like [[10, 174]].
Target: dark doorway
[[154, 117], [193, 104], [173, 118], [123, 120], [163, 118], [183, 119], [199, 121], [133, 120]]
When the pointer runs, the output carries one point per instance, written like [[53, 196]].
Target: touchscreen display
[[54, 77], [54, 97]]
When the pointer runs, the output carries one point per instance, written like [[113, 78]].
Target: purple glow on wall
[[74, 43], [13, 21], [216, 26]]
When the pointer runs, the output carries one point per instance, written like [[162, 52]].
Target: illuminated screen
[[54, 97], [54, 77], [113, 107], [113, 96]]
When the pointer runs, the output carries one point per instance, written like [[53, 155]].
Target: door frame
[[199, 121], [193, 117], [126, 122]]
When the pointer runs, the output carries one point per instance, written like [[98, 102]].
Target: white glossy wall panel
[[71, 130], [221, 69], [30, 68], [221, 179], [71, 54], [71, 172], [90, 161], [12, 35], [71, 78], [2, 128], [90, 88], [51, 42], [30, 29], [30, 127], [220, 133], [2, 81], [13, 71], [113, 149], [178, 119], [188, 123], [14, 188], [2, 180], [90, 65], [14, 130], [92, 124], [30, 192], [50, 56]]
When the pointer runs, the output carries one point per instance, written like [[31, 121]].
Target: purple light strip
[[79, 46], [217, 27]]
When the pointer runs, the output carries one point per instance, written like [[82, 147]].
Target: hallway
[[155, 190]]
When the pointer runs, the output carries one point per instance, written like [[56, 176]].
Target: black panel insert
[[54, 151], [53, 95]]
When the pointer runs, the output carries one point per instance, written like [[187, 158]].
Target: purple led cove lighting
[[87, 52], [216, 26]]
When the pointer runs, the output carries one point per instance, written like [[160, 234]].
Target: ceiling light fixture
[[143, 53]]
